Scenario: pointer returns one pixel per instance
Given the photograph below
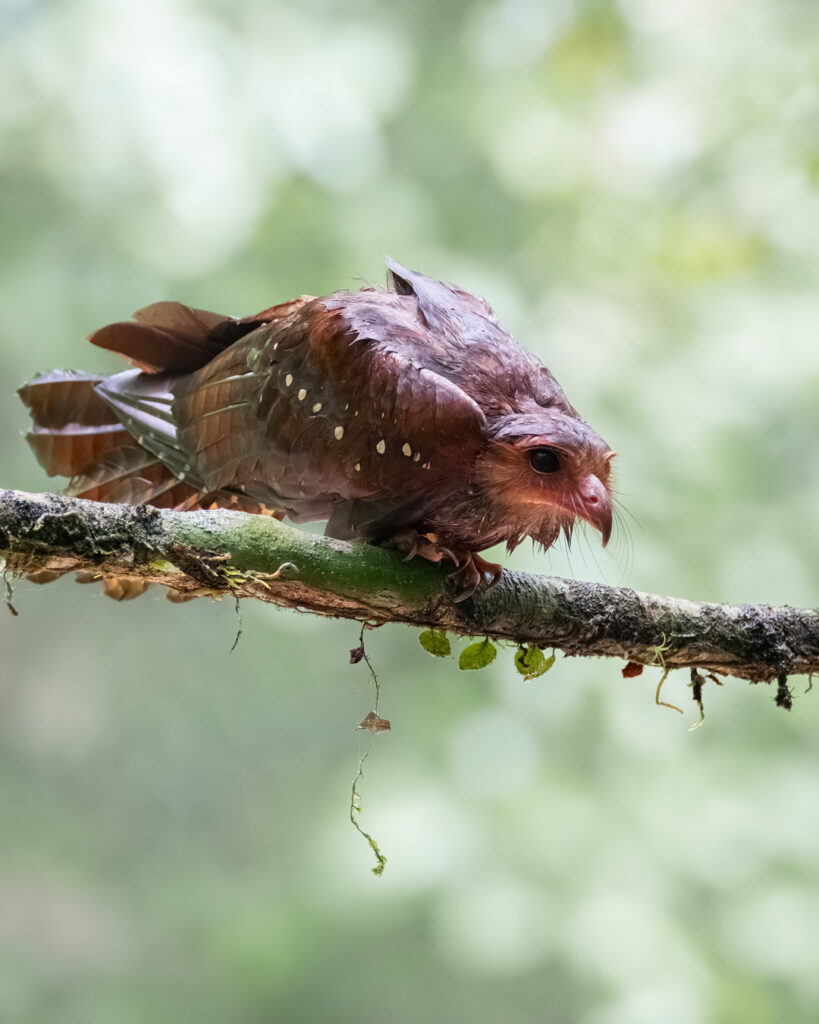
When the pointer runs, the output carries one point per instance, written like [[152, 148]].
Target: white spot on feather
[[302, 394], [426, 465], [317, 407], [406, 449], [416, 457], [358, 467], [339, 433], [288, 380], [381, 447]]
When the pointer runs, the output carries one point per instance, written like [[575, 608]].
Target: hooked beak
[[595, 505]]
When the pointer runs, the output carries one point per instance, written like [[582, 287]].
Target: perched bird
[[406, 417]]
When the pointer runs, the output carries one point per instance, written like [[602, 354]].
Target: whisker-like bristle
[[621, 507], [623, 538]]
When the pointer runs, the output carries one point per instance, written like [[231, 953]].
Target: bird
[[404, 415]]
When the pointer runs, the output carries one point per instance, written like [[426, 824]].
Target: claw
[[470, 569], [465, 594], [473, 572], [496, 574], [413, 551]]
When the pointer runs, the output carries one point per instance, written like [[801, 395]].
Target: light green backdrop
[[633, 186]]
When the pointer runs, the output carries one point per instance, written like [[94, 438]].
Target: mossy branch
[[224, 552]]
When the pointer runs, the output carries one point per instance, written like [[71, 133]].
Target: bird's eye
[[544, 460]]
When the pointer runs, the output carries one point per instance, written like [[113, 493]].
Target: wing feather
[[336, 404], [143, 404]]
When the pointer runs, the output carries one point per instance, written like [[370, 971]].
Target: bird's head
[[543, 470]]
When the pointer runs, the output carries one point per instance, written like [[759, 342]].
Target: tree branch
[[219, 552]]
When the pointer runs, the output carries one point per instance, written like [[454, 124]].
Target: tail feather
[[153, 349], [180, 320], [74, 449], [61, 397], [76, 434], [92, 429], [129, 458], [179, 339], [166, 336], [127, 475], [131, 475]]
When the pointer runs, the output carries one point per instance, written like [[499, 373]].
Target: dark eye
[[544, 460]]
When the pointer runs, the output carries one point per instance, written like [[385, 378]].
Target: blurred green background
[[633, 185]]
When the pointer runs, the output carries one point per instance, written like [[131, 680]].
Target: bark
[[225, 552]]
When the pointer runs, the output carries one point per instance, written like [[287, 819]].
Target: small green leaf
[[531, 662], [478, 655], [525, 658], [435, 642]]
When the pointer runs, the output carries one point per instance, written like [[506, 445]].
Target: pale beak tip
[[597, 501]]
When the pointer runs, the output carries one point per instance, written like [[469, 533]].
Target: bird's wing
[[320, 413], [170, 336], [319, 407], [142, 403]]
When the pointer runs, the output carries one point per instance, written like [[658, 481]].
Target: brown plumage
[[406, 417]]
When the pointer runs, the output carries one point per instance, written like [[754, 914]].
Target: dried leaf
[[372, 723]]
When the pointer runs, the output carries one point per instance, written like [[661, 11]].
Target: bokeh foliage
[[633, 185]]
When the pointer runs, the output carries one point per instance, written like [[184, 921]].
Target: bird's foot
[[470, 569], [423, 545]]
